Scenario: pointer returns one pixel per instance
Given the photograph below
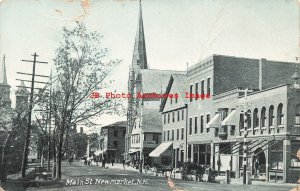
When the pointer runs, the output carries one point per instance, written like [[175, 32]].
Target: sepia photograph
[[164, 95]]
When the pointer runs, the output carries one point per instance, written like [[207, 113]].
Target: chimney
[[262, 62]]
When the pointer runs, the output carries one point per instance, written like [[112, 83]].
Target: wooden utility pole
[[28, 130], [49, 118], [245, 135]]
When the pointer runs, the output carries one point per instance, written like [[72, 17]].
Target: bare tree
[[82, 66]]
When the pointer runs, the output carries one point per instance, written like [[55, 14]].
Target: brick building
[[213, 125], [272, 132], [111, 142]]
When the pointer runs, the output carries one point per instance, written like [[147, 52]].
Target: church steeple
[[139, 52], [3, 78], [5, 101]]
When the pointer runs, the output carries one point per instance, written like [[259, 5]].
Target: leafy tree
[[82, 66]]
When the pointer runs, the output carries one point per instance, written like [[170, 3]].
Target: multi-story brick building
[[111, 141], [272, 132], [214, 136]]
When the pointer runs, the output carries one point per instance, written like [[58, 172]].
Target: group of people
[[96, 159]]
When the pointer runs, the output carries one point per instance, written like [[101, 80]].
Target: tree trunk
[[49, 152], [59, 153], [42, 158], [54, 158], [3, 165]]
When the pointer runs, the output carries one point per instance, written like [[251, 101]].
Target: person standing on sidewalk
[[104, 161], [112, 161], [256, 169], [123, 162]]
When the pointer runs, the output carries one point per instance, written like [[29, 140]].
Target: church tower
[[5, 101], [22, 95], [139, 61]]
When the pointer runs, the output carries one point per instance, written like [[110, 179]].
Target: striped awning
[[163, 147], [214, 122], [230, 119]]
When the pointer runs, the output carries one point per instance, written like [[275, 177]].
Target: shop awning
[[230, 119], [160, 149], [214, 122], [131, 151]]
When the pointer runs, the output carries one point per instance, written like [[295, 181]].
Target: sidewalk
[[120, 166], [109, 166], [239, 181]]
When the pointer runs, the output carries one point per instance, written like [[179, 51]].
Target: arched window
[[271, 116], [280, 116], [255, 118], [249, 119], [241, 121], [263, 117], [297, 116]]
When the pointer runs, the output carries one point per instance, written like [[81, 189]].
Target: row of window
[[196, 87], [262, 121], [135, 139], [169, 135], [194, 123], [176, 115]]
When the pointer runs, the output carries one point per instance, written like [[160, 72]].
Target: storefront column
[[176, 157], [236, 163], [192, 153], [286, 158], [267, 162], [212, 152], [217, 157]]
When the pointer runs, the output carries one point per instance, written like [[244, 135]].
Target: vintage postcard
[[150, 95]]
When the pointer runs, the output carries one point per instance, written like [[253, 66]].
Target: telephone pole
[[245, 135], [28, 130]]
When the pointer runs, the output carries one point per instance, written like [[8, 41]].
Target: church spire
[[3, 78], [139, 52]]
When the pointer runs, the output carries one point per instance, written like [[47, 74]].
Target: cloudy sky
[[176, 31]]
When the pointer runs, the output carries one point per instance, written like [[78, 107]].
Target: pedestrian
[[103, 163], [123, 162], [97, 160], [70, 160], [88, 161], [256, 169], [112, 161]]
